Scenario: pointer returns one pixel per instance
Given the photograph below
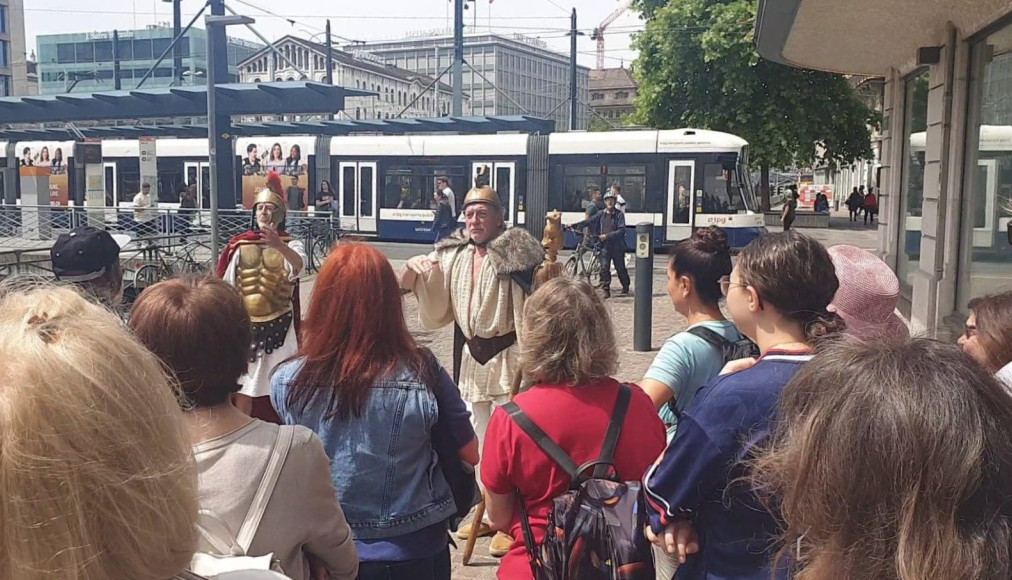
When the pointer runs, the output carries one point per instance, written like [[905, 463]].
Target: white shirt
[[620, 202], [143, 205], [453, 200], [1005, 375]]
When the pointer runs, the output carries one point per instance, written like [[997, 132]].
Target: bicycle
[[586, 260], [320, 237]]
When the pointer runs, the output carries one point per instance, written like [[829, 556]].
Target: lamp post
[[213, 23]]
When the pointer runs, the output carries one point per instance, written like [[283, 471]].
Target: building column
[[892, 168]]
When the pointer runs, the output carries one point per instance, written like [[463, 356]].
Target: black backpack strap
[[708, 335], [542, 440], [614, 430]]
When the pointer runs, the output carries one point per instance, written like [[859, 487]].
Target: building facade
[[83, 62], [613, 94], [946, 153], [13, 54], [398, 90], [521, 75]]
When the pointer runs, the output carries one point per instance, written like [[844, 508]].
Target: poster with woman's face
[[51, 155], [288, 158]]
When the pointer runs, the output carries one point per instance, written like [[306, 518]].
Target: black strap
[[708, 335], [614, 430], [542, 440]]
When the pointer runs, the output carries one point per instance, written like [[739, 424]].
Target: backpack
[[739, 349], [595, 529], [232, 553]]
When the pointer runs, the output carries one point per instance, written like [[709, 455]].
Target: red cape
[[226, 257]]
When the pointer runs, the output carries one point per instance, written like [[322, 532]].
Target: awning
[[864, 36]]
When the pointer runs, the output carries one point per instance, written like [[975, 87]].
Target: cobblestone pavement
[[632, 364]]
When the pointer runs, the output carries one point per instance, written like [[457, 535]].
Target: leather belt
[[483, 349]]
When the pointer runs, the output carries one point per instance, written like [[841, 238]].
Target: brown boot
[[500, 545]]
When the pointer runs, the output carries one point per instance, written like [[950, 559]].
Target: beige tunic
[[494, 307]]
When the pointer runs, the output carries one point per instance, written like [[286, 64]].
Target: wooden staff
[[479, 510]]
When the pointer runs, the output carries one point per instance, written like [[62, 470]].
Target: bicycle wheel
[[148, 275], [572, 267], [592, 267], [318, 252]]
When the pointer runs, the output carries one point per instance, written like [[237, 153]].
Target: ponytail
[[823, 326]]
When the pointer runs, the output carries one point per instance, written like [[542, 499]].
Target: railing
[[164, 242]]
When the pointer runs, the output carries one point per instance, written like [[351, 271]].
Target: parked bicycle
[[319, 236], [586, 259]]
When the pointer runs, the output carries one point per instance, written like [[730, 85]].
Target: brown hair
[[994, 328], [893, 460], [794, 273], [568, 337], [200, 330]]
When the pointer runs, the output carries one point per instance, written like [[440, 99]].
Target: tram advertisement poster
[[149, 164], [49, 157], [808, 191], [285, 157]]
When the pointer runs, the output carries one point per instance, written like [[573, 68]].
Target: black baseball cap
[[85, 253]]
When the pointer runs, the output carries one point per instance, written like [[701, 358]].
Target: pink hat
[[868, 294]]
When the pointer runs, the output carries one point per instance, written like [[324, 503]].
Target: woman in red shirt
[[569, 354]]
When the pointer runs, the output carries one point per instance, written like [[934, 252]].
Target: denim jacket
[[383, 463]]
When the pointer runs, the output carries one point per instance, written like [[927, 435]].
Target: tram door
[[500, 176], [199, 172], [357, 189], [681, 198]]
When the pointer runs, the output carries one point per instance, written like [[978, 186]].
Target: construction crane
[[598, 33]]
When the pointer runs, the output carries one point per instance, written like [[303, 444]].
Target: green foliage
[[698, 67]]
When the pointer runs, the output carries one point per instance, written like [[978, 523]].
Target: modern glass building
[[532, 79], [87, 59], [945, 182]]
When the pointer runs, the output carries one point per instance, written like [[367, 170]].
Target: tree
[[698, 67]]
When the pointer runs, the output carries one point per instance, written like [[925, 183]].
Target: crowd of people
[[794, 429]]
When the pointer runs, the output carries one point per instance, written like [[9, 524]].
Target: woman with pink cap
[[868, 294]]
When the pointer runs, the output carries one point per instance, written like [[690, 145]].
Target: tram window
[[682, 195], [579, 181], [348, 191], [503, 183], [721, 193], [413, 187], [633, 179]]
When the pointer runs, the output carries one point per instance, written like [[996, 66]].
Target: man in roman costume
[[264, 264], [479, 279]]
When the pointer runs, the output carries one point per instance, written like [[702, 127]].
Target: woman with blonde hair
[[568, 352], [892, 460], [96, 475]]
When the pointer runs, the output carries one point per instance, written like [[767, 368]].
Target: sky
[[375, 20]]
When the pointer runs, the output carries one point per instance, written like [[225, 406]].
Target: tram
[[991, 218], [677, 180]]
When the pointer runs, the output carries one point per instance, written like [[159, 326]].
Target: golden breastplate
[[263, 282]]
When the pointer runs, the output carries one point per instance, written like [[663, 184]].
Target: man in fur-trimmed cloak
[[478, 279]]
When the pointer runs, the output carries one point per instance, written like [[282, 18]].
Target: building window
[[597, 97], [915, 124], [987, 207], [622, 95], [65, 52], [5, 86]]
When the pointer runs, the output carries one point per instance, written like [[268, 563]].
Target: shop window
[[987, 208], [915, 124]]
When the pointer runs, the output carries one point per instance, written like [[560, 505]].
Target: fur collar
[[516, 250]]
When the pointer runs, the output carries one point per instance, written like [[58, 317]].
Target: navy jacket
[[598, 225]]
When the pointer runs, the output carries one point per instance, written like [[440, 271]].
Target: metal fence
[[164, 242]]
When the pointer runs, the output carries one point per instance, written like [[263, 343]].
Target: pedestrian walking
[[443, 223], [855, 203], [790, 208], [870, 207]]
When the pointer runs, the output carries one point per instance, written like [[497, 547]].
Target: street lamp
[[211, 22]]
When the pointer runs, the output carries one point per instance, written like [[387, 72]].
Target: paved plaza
[[632, 364]]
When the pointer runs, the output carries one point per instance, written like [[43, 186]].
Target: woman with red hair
[[375, 397]]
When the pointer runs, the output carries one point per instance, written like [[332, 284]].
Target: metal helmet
[[483, 194], [272, 194]]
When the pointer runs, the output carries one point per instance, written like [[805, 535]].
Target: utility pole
[[177, 52], [330, 56], [115, 61], [573, 102], [458, 58]]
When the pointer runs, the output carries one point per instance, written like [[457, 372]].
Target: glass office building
[[84, 62], [531, 79]]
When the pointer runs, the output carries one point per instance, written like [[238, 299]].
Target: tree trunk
[[764, 187]]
